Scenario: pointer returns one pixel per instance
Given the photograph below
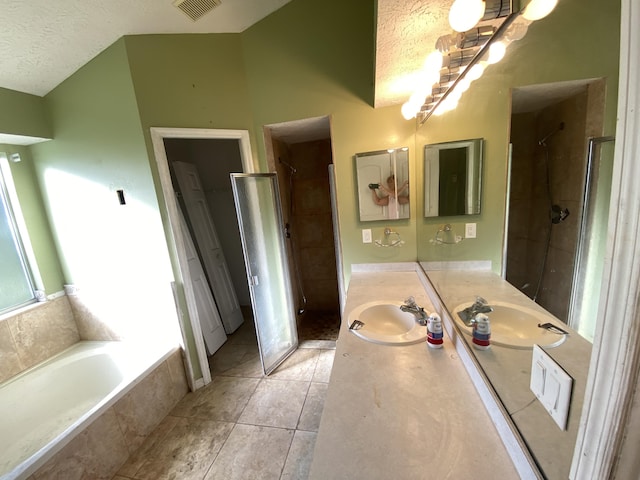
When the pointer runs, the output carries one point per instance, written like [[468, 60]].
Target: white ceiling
[[406, 32], [43, 42]]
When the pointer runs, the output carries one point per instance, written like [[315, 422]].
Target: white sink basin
[[385, 324], [515, 326]]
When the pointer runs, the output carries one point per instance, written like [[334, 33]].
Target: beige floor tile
[[300, 456], [236, 360], [245, 334], [313, 406], [223, 399], [275, 403], [140, 456], [187, 451], [299, 366], [252, 452], [324, 365]]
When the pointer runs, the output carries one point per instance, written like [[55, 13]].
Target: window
[[17, 286]]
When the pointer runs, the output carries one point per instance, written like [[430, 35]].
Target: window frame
[[22, 240]]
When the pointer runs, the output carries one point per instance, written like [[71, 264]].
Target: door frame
[[158, 134], [608, 433]]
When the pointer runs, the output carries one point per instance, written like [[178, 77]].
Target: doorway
[[551, 126], [196, 358], [238, 140], [301, 155]]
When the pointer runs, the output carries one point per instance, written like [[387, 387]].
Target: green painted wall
[[189, 81], [578, 40], [32, 207], [306, 60], [116, 254], [23, 114], [98, 148]]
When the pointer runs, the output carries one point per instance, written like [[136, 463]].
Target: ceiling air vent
[[195, 9]]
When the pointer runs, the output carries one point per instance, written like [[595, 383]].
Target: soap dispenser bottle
[[434, 331], [481, 332]]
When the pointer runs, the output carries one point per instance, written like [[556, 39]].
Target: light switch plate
[[366, 235], [551, 386], [470, 230]]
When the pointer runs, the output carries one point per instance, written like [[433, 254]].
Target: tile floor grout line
[[218, 452]]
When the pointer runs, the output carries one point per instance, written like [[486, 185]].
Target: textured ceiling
[[406, 33], [42, 42]]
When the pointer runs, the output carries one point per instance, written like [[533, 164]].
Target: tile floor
[[242, 425]]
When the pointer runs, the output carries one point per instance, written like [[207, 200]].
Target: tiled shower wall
[[582, 115], [310, 218]]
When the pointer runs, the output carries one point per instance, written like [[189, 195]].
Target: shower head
[[543, 141], [293, 170]]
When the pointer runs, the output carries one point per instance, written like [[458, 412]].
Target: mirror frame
[[473, 181], [373, 168]]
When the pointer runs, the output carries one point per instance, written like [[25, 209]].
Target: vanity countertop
[[406, 412], [509, 370]]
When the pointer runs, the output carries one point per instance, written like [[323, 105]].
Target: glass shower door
[[261, 229]]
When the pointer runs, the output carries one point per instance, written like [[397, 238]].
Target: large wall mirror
[[383, 184], [452, 179]]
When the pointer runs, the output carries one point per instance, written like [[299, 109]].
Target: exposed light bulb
[[464, 14], [537, 9], [433, 62], [496, 52], [419, 96], [408, 111], [463, 85], [445, 106], [475, 72], [454, 96]]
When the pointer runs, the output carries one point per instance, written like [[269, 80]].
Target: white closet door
[[208, 316], [208, 244]]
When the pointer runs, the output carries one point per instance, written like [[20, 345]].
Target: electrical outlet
[[366, 235], [551, 385], [470, 230]]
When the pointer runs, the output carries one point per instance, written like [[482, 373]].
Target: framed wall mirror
[[383, 184], [452, 178]]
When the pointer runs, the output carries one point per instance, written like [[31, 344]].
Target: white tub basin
[[383, 322], [516, 326]]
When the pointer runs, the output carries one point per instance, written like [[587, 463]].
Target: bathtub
[[43, 408]]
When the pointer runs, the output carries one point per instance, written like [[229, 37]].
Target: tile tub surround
[[242, 425], [35, 334], [509, 370], [106, 444], [402, 412]]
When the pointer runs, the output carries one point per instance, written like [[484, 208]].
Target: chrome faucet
[[479, 306], [411, 307]]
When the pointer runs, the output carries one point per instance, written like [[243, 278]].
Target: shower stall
[[556, 212], [302, 168]]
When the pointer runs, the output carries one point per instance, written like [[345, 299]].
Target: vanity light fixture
[[483, 31], [537, 9], [464, 14]]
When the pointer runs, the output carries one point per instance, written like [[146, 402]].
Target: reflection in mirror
[[452, 180], [383, 184], [555, 248]]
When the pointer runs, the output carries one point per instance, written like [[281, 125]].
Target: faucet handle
[[481, 300], [410, 301]]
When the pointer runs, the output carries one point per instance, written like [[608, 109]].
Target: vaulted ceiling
[[43, 42]]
